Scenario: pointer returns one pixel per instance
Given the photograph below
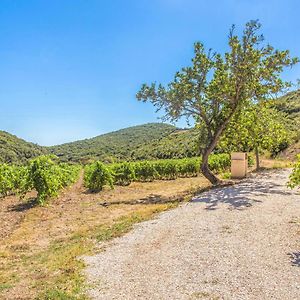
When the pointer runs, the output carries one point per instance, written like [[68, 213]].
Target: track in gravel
[[238, 242]]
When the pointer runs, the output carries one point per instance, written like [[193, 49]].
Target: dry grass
[[40, 246]]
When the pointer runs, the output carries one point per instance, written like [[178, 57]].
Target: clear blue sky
[[69, 69]]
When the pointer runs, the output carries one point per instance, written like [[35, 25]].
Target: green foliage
[[294, 180], [48, 178], [250, 160], [115, 146], [6, 182], [219, 162], [289, 104], [216, 87], [42, 174], [178, 144], [259, 126], [15, 150], [166, 169], [189, 167], [96, 176], [13, 179], [123, 173], [145, 171]]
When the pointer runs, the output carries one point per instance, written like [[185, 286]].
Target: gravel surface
[[238, 242]]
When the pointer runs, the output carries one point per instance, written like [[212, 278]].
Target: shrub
[[294, 179], [6, 179], [123, 173], [145, 171], [166, 169], [219, 162], [96, 176], [48, 177], [189, 167]]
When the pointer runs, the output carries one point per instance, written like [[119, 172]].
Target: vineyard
[[48, 177], [98, 175], [42, 174]]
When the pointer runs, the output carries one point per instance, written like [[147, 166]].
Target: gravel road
[[238, 242]]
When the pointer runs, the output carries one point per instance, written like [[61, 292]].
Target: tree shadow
[[295, 258], [242, 195], [20, 207]]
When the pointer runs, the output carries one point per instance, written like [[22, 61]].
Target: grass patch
[[5, 287], [56, 272]]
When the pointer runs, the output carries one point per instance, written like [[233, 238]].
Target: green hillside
[[118, 145], [290, 104], [179, 144], [16, 150], [149, 141]]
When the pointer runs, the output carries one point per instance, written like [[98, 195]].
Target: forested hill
[[118, 145], [154, 140], [16, 150], [290, 104]]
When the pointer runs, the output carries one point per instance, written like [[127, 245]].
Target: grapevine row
[[98, 175], [42, 174]]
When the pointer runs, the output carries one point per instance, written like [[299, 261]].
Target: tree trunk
[[211, 146], [257, 158], [205, 169]]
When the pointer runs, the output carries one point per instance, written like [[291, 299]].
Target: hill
[[118, 145], [290, 104], [16, 150], [179, 144], [149, 141]]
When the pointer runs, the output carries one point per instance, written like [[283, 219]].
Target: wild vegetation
[[114, 146], [15, 150]]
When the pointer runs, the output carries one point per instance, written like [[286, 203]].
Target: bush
[[97, 175], [145, 171], [189, 167], [123, 173], [48, 177], [6, 179], [166, 169], [294, 179], [219, 162]]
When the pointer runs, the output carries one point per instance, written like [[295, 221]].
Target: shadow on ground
[[295, 258], [244, 194], [32, 202]]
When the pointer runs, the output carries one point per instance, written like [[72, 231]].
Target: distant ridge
[[16, 150], [117, 145], [148, 141]]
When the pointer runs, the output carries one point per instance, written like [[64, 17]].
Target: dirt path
[[239, 242]]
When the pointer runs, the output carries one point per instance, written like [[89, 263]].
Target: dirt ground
[[236, 242], [39, 246], [28, 230]]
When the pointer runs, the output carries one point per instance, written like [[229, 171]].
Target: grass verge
[[56, 272]]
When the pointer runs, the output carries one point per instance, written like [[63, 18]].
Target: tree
[[258, 127], [216, 87]]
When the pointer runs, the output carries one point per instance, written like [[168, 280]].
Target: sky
[[70, 69]]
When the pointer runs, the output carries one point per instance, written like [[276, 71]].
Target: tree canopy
[[216, 87], [258, 127]]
